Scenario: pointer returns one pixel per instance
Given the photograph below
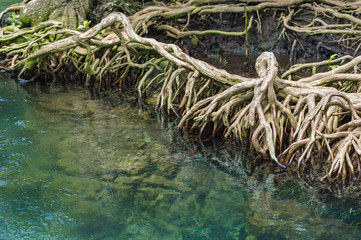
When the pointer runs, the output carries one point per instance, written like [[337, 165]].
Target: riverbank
[[304, 118]]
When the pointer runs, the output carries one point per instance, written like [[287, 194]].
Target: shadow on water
[[75, 167]]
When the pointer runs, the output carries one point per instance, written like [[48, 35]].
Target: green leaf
[[86, 23], [330, 59], [333, 57], [51, 37], [9, 28]]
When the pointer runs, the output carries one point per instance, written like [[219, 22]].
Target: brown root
[[289, 120]]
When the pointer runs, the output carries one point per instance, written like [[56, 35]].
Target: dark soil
[[230, 52]]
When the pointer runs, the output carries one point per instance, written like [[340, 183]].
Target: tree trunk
[[71, 12]]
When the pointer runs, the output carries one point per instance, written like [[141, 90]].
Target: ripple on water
[[21, 123]]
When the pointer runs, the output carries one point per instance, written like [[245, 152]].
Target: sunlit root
[[314, 120], [287, 120]]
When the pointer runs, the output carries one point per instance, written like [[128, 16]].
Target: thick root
[[288, 120]]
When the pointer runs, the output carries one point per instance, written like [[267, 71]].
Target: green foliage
[[330, 66], [101, 34], [51, 37], [194, 41], [15, 25], [9, 28], [13, 18], [85, 26], [176, 2]]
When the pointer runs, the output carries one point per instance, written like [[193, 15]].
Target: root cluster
[[287, 119]]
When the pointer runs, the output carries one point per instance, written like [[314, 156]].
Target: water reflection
[[73, 167]]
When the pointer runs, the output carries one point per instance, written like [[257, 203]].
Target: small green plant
[[13, 18], [330, 66], [176, 2], [194, 40], [85, 26], [51, 37], [15, 25], [101, 34]]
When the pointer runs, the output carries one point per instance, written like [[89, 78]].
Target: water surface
[[6, 3], [76, 167]]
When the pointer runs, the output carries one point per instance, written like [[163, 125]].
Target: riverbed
[[76, 166]]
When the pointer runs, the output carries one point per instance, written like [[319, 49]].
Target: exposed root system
[[288, 119]]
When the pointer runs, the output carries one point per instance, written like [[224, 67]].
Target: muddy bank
[[268, 35]]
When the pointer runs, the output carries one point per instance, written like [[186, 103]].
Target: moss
[[38, 11], [72, 13], [129, 180], [165, 183]]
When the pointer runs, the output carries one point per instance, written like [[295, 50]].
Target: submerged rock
[[130, 180], [160, 181], [251, 237], [286, 218]]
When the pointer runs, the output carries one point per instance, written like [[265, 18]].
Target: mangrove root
[[285, 119]]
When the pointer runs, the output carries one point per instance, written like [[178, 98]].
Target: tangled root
[[287, 120]]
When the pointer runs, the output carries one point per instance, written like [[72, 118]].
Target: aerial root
[[287, 120]]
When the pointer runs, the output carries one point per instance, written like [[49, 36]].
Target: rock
[[132, 165], [251, 237], [196, 178], [160, 181], [166, 167], [147, 197], [129, 180], [108, 177]]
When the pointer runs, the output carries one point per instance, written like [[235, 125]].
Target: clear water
[[6, 3], [73, 167]]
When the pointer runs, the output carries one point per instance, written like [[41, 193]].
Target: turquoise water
[[6, 3], [75, 167]]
